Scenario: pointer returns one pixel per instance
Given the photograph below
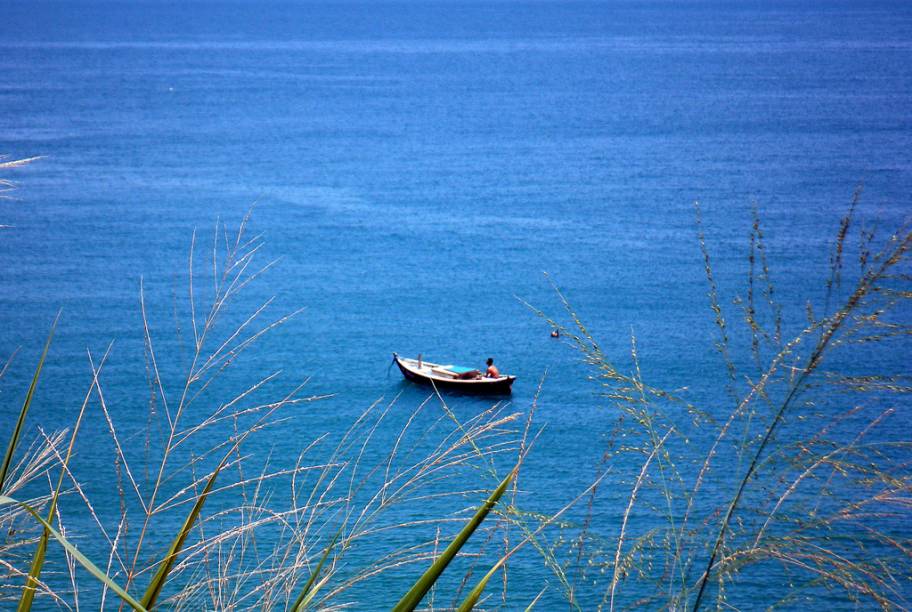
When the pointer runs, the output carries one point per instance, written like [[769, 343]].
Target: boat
[[449, 377]]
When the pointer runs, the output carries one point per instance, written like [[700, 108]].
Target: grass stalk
[[833, 325]]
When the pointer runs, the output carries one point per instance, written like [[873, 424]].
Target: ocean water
[[417, 168]]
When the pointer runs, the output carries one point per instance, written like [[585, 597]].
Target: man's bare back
[[492, 372]]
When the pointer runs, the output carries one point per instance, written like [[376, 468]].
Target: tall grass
[[789, 475], [795, 476], [204, 520]]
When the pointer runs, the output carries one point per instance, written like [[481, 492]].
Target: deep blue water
[[416, 167]]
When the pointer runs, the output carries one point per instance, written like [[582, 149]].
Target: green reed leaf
[[20, 422], [469, 602], [28, 595], [81, 558], [161, 576], [308, 592], [411, 599]]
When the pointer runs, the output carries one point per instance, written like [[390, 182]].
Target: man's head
[[490, 361]]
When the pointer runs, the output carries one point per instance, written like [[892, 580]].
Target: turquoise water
[[416, 167]]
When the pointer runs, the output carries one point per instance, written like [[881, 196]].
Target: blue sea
[[426, 176]]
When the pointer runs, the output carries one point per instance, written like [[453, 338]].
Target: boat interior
[[427, 368]]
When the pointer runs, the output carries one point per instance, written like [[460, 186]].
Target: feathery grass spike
[[411, 599], [81, 558], [161, 576], [14, 440]]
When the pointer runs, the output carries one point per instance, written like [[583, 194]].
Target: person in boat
[[492, 372], [555, 334]]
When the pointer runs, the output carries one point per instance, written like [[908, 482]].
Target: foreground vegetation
[[802, 483], [795, 483]]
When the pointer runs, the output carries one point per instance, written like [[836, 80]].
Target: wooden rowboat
[[448, 377]]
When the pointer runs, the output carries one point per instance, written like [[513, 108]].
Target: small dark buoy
[[555, 334]]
